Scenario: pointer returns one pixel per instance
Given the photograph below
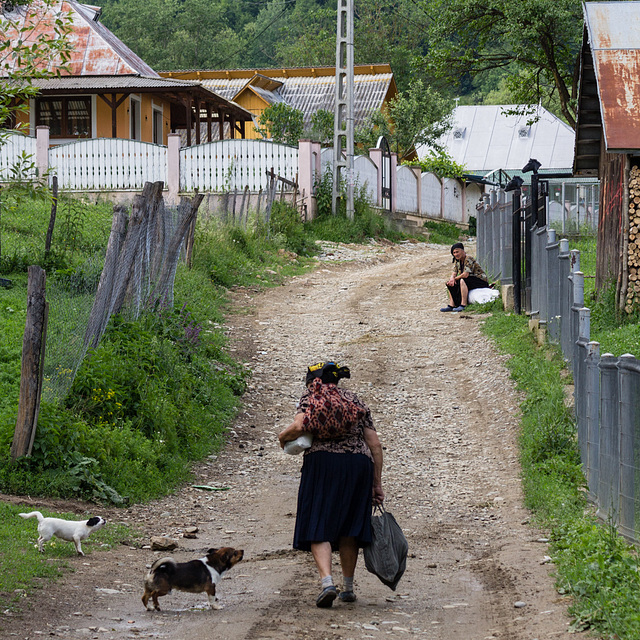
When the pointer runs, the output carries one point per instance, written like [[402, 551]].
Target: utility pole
[[343, 115]]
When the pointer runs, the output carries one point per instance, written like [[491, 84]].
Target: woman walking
[[340, 480]]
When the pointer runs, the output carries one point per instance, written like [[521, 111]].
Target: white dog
[[70, 530]]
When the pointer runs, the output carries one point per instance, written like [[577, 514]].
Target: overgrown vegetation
[[594, 565], [442, 232], [158, 392]]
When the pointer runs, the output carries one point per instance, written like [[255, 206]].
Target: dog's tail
[[32, 514], [168, 565]]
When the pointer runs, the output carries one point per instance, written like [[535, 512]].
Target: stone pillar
[[173, 168]]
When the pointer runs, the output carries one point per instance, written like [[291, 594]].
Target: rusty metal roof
[[94, 49], [614, 36], [307, 89]]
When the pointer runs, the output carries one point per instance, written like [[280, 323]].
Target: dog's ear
[[92, 522], [210, 551]]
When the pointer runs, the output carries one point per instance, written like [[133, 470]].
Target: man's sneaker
[[458, 309], [447, 308], [347, 596], [326, 598]]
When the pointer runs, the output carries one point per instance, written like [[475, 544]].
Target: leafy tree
[[537, 41], [322, 128], [282, 123], [415, 117], [28, 51], [440, 163]]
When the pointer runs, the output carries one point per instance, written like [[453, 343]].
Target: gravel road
[[447, 414]]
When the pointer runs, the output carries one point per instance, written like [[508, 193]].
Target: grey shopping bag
[[386, 556]]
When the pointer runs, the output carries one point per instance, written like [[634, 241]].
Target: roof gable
[[94, 49]]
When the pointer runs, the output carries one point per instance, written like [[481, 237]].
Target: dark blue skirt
[[334, 499]]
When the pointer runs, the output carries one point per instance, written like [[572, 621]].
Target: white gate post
[[394, 181], [173, 167], [417, 172], [309, 172], [42, 150], [376, 156]]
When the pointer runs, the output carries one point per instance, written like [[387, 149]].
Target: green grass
[[593, 564], [442, 232], [25, 569]]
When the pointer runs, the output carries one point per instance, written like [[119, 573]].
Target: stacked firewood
[[633, 260]]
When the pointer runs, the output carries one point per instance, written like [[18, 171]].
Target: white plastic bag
[[297, 446], [482, 296]]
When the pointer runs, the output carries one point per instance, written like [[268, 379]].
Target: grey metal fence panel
[[553, 287], [506, 237], [481, 242], [592, 384], [577, 286], [579, 382], [609, 458], [543, 236], [493, 235], [535, 272], [629, 390], [564, 271]]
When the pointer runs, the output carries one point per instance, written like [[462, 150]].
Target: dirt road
[[446, 412]]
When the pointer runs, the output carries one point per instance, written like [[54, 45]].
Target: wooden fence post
[[33, 347]]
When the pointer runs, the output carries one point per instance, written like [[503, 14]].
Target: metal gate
[[386, 172]]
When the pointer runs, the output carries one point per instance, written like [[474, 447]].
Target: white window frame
[[157, 109], [138, 124]]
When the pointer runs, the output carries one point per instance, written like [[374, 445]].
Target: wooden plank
[[32, 345]]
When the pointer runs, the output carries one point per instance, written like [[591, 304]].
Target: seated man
[[467, 275]]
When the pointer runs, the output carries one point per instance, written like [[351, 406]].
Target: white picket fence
[[234, 164], [10, 152], [108, 164]]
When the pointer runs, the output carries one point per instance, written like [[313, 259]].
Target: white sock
[[327, 582], [347, 583]]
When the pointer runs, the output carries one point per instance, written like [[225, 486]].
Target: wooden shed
[[608, 139]]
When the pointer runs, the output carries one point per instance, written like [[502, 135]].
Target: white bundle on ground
[[482, 296]]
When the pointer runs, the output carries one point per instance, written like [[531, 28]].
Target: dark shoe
[[458, 309], [326, 598], [347, 596], [447, 308]]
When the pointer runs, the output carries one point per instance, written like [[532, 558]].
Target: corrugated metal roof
[[614, 36], [94, 49], [309, 93], [484, 138], [97, 83]]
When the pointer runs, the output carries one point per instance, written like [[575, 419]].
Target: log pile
[[633, 254]]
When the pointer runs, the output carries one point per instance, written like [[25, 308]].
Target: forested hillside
[[481, 51]]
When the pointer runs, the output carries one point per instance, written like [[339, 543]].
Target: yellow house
[[107, 91], [308, 89]]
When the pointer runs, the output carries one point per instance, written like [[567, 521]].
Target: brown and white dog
[[196, 576], [70, 530]]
